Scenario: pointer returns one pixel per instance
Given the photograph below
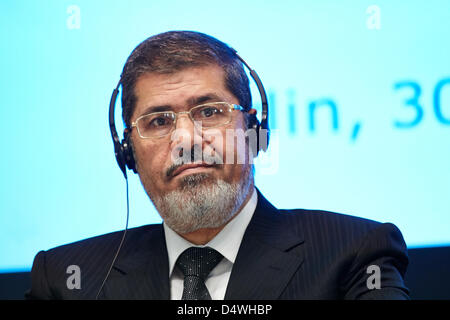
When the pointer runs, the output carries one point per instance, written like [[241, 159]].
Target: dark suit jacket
[[285, 254]]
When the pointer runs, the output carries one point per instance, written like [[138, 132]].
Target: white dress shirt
[[227, 242]]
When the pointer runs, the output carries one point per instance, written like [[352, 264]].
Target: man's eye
[[209, 112], [158, 122]]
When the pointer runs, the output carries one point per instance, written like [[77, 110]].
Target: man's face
[[180, 92]]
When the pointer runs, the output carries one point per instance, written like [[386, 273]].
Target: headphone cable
[[120, 245]]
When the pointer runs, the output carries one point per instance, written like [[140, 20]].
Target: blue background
[[360, 123]]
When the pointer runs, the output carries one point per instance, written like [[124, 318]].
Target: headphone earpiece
[[253, 124], [127, 151]]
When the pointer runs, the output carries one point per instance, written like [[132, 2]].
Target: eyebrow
[[191, 102], [204, 98]]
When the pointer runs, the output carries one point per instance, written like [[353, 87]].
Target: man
[[220, 239]]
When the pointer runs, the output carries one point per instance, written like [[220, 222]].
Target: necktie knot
[[198, 262]]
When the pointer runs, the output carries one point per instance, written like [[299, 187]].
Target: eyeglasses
[[209, 115]]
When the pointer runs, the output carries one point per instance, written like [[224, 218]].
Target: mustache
[[194, 155]]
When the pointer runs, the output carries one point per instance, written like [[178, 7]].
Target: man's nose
[[187, 127], [186, 139]]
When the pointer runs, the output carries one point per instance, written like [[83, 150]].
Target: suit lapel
[[268, 257], [142, 272]]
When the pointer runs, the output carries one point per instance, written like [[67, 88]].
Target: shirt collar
[[227, 241]]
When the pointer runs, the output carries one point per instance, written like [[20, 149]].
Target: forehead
[[181, 90]]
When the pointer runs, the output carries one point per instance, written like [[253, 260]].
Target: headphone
[[123, 150]]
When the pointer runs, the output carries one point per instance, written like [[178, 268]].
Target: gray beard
[[202, 202]]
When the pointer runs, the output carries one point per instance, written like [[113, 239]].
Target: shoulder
[[320, 228], [338, 229], [102, 243], [345, 247], [329, 221], [92, 257]]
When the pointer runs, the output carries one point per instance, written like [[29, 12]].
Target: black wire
[[120, 245]]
